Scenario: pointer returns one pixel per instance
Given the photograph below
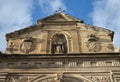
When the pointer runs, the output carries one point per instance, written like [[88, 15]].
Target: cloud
[[106, 13], [50, 6], [17, 14], [14, 15]]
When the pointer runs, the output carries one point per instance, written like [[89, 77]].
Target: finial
[[60, 10]]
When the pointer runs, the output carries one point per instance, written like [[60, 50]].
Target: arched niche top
[[66, 34]]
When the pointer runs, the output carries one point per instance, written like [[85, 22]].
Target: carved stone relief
[[93, 44], [27, 45], [99, 78], [12, 47], [59, 44], [30, 78], [19, 78], [59, 77]]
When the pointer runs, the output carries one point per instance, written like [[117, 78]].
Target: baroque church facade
[[60, 48]]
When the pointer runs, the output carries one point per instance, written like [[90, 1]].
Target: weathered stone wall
[[80, 38], [46, 68], [58, 77]]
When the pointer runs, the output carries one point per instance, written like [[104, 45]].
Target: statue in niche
[[59, 44]]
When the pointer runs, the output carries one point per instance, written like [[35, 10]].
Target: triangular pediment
[[56, 17], [59, 17]]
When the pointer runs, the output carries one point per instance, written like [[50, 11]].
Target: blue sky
[[18, 14], [80, 9]]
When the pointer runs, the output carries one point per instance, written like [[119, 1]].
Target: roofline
[[21, 31], [81, 21]]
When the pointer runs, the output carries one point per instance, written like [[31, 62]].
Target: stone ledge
[[69, 55]]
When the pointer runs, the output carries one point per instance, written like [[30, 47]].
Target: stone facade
[[60, 48], [84, 67], [75, 36]]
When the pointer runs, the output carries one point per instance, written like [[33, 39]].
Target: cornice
[[72, 55]]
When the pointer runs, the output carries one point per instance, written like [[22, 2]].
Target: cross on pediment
[[60, 10]]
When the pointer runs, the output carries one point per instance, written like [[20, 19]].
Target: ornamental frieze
[[99, 78]]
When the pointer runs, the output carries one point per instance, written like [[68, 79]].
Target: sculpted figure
[[59, 44]]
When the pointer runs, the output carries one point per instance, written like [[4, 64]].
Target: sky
[[18, 14]]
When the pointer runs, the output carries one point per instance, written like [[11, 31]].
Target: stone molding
[[59, 61], [57, 77]]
